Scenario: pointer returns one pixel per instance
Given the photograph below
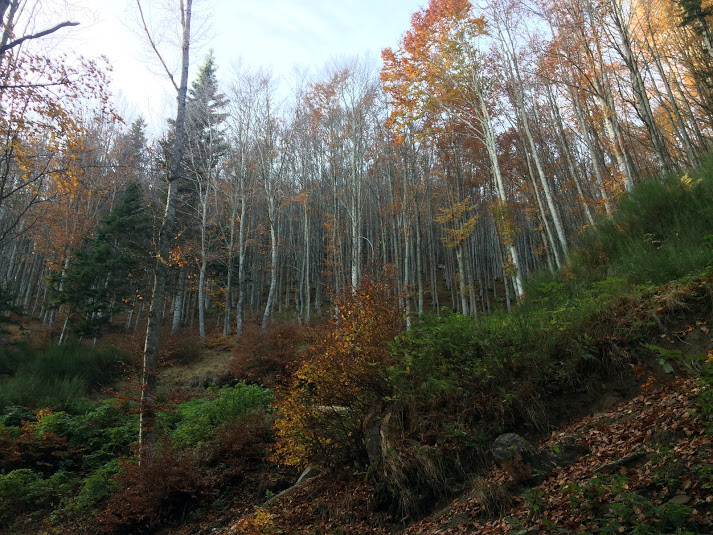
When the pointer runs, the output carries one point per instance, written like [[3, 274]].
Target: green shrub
[[103, 433], [614, 509], [656, 235], [435, 357], [57, 377], [97, 486], [194, 422], [25, 491]]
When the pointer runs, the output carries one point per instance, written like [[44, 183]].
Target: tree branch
[[154, 47], [21, 40], [4, 4], [64, 81]]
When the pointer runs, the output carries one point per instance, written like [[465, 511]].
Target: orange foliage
[[321, 414], [415, 77]]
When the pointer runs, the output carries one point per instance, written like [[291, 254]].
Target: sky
[[280, 35]]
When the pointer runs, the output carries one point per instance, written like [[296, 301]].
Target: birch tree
[[147, 419]]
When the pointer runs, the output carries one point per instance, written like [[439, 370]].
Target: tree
[[205, 149], [165, 239], [42, 100], [9, 39], [440, 67], [106, 272]]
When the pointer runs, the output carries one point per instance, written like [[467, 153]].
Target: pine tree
[[206, 115], [110, 267], [206, 147]]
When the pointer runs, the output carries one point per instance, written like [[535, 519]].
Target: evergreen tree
[[205, 121], [108, 271], [205, 149]]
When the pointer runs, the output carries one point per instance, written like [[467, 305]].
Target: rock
[[520, 459], [681, 499], [509, 445], [194, 382], [208, 380], [224, 378]]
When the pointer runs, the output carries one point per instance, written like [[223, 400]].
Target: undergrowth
[[57, 376], [450, 385]]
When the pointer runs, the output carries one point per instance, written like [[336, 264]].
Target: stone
[[520, 459], [681, 499], [225, 378]]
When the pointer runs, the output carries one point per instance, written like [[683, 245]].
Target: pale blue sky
[[276, 34]]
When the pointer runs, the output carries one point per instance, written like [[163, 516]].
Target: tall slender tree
[[146, 428]]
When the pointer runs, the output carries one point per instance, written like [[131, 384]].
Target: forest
[[510, 210]]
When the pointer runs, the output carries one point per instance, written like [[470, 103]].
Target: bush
[[102, 433], [435, 356], [59, 376], [64, 461], [269, 357], [194, 423], [24, 491], [656, 235], [161, 490], [98, 486], [344, 375]]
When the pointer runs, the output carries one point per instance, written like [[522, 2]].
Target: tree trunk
[[272, 210], [147, 437]]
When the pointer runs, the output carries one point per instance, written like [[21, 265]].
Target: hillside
[[663, 486], [604, 369]]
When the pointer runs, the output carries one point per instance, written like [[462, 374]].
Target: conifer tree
[[206, 147], [109, 269]]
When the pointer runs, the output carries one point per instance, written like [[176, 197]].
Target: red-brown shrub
[[159, 491], [269, 357], [242, 444], [42, 453]]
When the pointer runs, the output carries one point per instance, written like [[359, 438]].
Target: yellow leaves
[[688, 182], [321, 413], [43, 413], [259, 523], [503, 221], [462, 226], [709, 357]]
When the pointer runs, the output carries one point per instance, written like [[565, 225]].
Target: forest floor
[[667, 465], [649, 465]]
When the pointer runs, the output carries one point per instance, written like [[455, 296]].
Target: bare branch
[[153, 44], [21, 40], [64, 81]]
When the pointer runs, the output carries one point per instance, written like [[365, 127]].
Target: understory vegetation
[[412, 413]]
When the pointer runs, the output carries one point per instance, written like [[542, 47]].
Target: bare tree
[[147, 420]]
